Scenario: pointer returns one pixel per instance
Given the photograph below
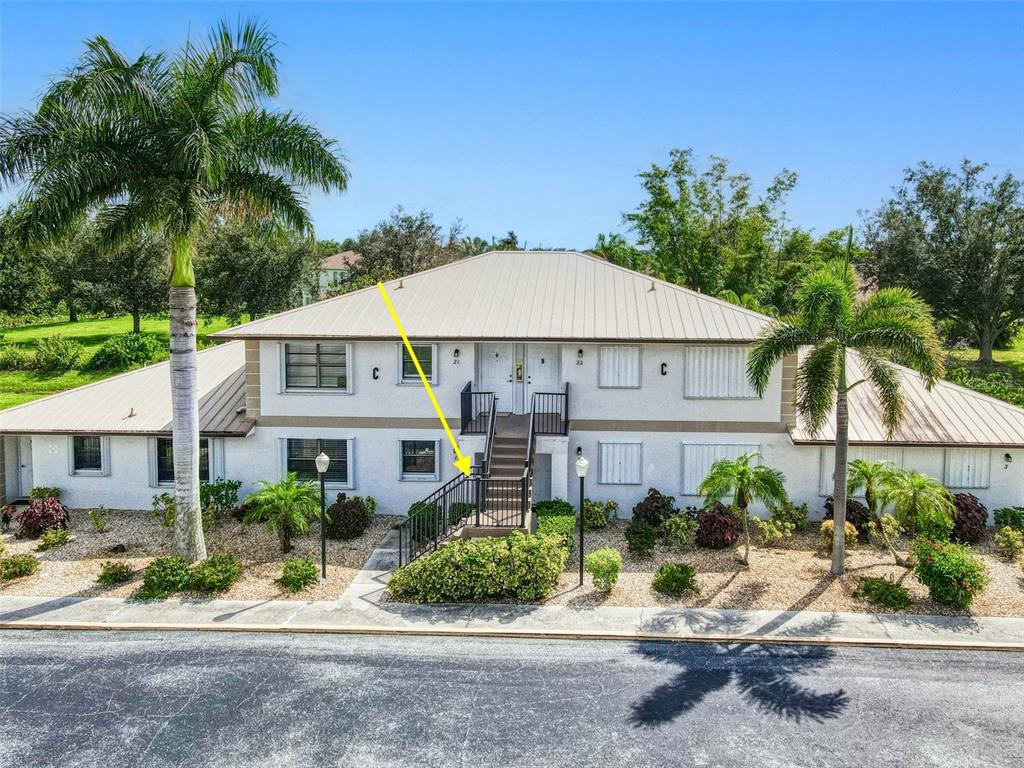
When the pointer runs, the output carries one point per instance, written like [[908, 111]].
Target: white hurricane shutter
[[620, 366], [875, 453], [698, 459], [967, 468], [620, 463], [716, 373]]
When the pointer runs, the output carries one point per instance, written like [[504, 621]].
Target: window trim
[[103, 471], [600, 460], [284, 389], [349, 485], [213, 447], [415, 381], [639, 366], [417, 477]]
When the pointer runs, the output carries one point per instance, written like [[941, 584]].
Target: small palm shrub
[[1009, 541], [297, 573], [554, 507], [969, 518], [675, 579], [113, 573], [773, 532], [41, 516], [679, 531], [596, 514], [42, 492], [953, 573], [126, 350], [285, 507], [17, 566], [655, 508], [53, 538], [560, 525], [604, 565], [717, 527], [827, 530], [793, 514], [857, 514], [1010, 516], [57, 353], [214, 574], [348, 518], [641, 537], [884, 593], [98, 518], [163, 576]]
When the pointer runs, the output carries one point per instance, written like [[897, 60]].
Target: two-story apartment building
[[569, 353]]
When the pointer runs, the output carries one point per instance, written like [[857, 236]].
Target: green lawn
[[21, 386]]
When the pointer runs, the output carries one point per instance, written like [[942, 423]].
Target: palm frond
[[779, 339], [825, 299], [885, 380], [898, 324], [817, 381], [260, 196]]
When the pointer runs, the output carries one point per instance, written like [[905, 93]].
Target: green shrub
[[17, 566], [53, 538], [348, 518], [98, 518], [460, 510], [892, 528], [794, 514], [641, 537], [679, 531], [884, 593], [827, 530], [773, 532], [519, 567], [675, 579], [163, 576], [126, 350], [557, 507], [113, 573], [57, 353], [1010, 516], [559, 525], [953, 573], [219, 498], [165, 511], [604, 565], [297, 573], [424, 522], [214, 574], [14, 358], [655, 508], [43, 492], [596, 514], [1009, 541]]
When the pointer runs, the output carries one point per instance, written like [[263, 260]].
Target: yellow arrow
[[462, 462]]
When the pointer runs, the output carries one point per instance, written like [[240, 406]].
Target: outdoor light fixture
[[323, 461], [582, 466], [455, 354], [1007, 458], [579, 357]]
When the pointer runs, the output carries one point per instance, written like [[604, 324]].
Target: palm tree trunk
[[188, 527], [746, 538], [839, 476]]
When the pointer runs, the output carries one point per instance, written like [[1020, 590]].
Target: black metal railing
[[474, 409], [552, 412], [435, 518], [485, 468]]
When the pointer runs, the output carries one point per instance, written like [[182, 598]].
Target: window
[[619, 463], [873, 453], [407, 369], [717, 373], [316, 366], [87, 455], [966, 468], [698, 459], [419, 460], [620, 367], [165, 461], [301, 459]]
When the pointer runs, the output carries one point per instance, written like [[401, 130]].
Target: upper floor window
[[407, 368], [300, 458], [419, 460], [619, 366], [165, 461], [316, 366], [717, 373], [88, 455]]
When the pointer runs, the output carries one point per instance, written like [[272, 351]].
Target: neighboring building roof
[[139, 402], [542, 295], [343, 260], [947, 415]]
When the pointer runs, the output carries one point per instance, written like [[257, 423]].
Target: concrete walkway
[[364, 609]]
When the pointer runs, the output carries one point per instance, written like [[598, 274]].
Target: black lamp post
[[323, 461], [582, 465]]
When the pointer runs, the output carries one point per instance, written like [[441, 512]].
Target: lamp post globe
[[323, 463], [582, 467]]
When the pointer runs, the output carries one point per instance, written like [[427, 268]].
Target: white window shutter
[[875, 453], [967, 468], [717, 373], [619, 366], [620, 463], [698, 458]]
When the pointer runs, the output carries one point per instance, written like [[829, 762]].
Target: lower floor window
[[419, 459], [87, 453], [165, 461], [301, 459]]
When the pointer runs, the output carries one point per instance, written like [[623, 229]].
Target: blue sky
[[536, 117]]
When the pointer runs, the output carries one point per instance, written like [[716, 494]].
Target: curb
[[546, 634]]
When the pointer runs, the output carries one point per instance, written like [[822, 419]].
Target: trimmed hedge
[[348, 518], [558, 507], [676, 579], [953, 573], [560, 525], [519, 567], [604, 565]]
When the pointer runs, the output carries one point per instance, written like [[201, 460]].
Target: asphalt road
[[201, 699]]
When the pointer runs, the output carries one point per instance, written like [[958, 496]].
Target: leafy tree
[[509, 242], [405, 243], [471, 246], [129, 279], [285, 507], [615, 248], [69, 260], [169, 144], [893, 323], [922, 504], [745, 481], [871, 476], [958, 239], [25, 286]]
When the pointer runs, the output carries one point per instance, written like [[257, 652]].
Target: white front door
[[24, 465], [542, 374], [497, 373]]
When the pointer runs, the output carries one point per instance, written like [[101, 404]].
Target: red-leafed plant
[[969, 518], [717, 527], [40, 516]]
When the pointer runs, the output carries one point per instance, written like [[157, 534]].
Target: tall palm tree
[[746, 482], [871, 476], [169, 145], [922, 504], [891, 324]]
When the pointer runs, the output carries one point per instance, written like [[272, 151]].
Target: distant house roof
[[547, 295], [945, 415], [343, 260], [139, 402]]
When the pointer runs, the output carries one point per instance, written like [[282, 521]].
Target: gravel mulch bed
[[795, 577], [71, 570]]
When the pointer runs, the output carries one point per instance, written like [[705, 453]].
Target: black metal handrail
[[491, 419], [473, 410], [435, 518], [552, 410]]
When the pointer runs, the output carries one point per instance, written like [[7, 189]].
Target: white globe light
[[323, 461], [582, 466]]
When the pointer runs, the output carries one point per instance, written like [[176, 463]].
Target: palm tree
[[746, 482], [871, 476], [169, 145], [922, 504], [891, 324], [285, 506]]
